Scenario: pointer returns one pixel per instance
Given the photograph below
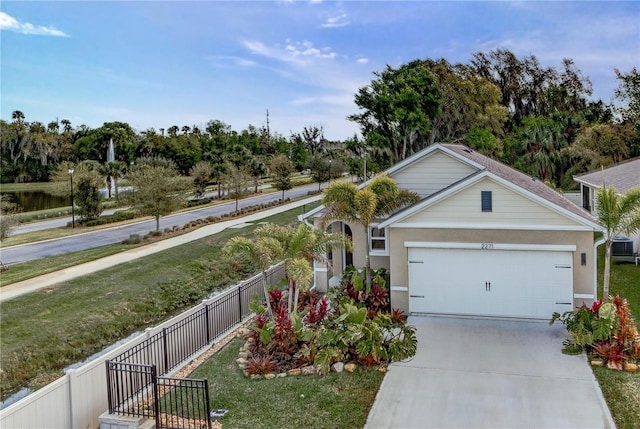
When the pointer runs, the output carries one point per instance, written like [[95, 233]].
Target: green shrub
[[118, 216]]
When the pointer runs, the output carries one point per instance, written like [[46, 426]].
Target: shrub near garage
[[326, 331], [607, 331]]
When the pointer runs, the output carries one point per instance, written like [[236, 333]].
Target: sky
[[158, 64]]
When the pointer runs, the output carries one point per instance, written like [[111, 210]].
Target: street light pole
[[73, 212]]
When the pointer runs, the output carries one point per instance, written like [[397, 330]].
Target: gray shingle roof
[[623, 176], [516, 177]]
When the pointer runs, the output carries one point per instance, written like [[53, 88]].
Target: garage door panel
[[511, 283]]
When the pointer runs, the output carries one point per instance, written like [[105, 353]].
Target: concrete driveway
[[486, 373]]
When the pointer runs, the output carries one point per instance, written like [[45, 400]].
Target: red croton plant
[[623, 343]]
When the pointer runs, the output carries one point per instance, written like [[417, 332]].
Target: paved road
[[36, 283], [29, 252], [483, 373]]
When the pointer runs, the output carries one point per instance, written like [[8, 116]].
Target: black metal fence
[[129, 388], [182, 403], [132, 376]]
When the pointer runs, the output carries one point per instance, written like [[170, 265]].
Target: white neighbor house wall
[[76, 400]]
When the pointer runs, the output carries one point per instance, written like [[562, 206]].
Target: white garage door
[[509, 283]]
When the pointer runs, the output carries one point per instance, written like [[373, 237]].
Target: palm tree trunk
[[266, 294], [367, 261], [157, 223], [295, 302], [607, 271], [290, 297]]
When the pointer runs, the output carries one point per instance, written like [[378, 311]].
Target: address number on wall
[[486, 246]]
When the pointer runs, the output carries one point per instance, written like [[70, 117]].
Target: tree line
[[535, 118]]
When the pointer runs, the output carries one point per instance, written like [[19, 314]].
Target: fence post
[[207, 405], [156, 399], [240, 302], [206, 320], [165, 348], [72, 378]]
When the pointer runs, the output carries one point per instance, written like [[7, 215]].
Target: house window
[[486, 201], [378, 241]]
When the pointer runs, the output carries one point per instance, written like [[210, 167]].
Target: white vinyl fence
[[76, 400]]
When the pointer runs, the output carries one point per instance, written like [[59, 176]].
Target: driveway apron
[[488, 373]]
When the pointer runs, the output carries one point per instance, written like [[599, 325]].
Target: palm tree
[[264, 252], [381, 197], [301, 243], [617, 214]]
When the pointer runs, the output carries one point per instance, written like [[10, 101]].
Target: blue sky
[[157, 64]]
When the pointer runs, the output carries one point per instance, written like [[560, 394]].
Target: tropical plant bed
[[606, 331], [351, 325]]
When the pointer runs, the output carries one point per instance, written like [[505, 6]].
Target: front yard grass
[[329, 401], [621, 389]]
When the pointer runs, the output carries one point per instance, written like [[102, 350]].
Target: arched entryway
[[347, 257]]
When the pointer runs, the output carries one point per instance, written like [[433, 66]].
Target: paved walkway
[[36, 283], [482, 373]]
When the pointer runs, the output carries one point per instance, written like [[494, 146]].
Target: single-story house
[[484, 240], [623, 176]]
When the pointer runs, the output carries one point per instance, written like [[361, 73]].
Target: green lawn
[[621, 389], [42, 332], [330, 401]]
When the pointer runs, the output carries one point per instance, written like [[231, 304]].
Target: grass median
[[41, 333]]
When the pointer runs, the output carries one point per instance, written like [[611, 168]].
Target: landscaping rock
[[294, 371], [244, 355], [382, 369], [350, 367], [282, 374], [630, 367], [596, 362], [337, 367], [256, 376], [242, 362], [269, 376], [309, 370]]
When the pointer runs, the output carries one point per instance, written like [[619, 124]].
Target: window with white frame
[[378, 240]]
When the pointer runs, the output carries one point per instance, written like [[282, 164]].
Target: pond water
[[38, 200]]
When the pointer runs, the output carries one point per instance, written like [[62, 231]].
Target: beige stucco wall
[[583, 240]]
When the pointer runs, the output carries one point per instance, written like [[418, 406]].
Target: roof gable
[[512, 208], [432, 172]]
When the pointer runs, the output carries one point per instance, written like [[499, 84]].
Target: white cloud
[[7, 22], [362, 60], [336, 21], [306, 49], [294, 52]]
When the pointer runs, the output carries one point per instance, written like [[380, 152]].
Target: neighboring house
[[485, 240], [623, 177]]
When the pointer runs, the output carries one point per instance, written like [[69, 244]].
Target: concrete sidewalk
[[483, 373], [40, 282]]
